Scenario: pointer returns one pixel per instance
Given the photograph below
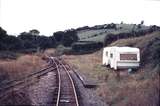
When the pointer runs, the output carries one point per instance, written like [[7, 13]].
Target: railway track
[[65, 94]]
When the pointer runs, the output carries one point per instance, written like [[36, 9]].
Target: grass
[[21, 67], [84, 64], [139, 89], [50, 51], [8, 55], [101, 37], [89, 33], [130, 90], [16, 69]]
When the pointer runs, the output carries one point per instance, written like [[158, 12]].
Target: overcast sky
[[49, 16]]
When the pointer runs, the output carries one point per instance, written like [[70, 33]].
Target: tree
[[44, 42], [121, 22], [29, 40], [34, 32], [12, 43], [26, 36], [58, 36], [53, 41], [111, 26], [3, 33], [70, 36], [142, 22]]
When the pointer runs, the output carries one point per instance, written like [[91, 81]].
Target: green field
[[98, 35]]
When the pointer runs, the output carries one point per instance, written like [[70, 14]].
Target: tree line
[[33, 40]]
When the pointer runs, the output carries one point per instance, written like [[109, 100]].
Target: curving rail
[[66, 94]]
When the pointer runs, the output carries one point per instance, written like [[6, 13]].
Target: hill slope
[[94, 38], [139, 89], [99, 34]]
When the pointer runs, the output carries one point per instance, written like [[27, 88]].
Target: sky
[[49, 16]]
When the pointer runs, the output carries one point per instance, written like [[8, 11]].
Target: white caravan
[[121, 57]]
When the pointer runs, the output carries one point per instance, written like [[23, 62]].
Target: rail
[[67, 95]]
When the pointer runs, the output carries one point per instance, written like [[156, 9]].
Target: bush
[[3, 75], [60, 50], [66, 38], [8, 55], [156, 51], [85, 47]]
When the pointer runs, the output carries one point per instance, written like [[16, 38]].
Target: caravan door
[[106, 56], [112, 56]]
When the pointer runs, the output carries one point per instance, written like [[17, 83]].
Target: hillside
[[98, 35], [148, 44], [124, 89]]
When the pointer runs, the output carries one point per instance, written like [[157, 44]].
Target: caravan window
[[111, 55], [107, 54], [128, 56]]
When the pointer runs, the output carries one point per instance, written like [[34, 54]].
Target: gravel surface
[[41, 93], [87, 96]]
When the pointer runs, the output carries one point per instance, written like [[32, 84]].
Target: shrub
[[60, 50], [86, 46], [156, 51]]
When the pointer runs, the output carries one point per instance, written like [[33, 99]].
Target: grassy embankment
[[139, 89], [22, 66], [19, 67]]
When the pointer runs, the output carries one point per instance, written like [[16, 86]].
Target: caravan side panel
[[104, 57], [122, 65], [129, 60]]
